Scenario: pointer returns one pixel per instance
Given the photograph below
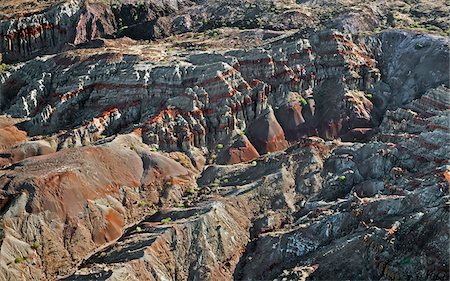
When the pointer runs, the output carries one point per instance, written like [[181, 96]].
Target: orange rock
[[266, 134], [240, 151], [10, 134]]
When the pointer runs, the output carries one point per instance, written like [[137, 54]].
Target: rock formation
[[209, 140]]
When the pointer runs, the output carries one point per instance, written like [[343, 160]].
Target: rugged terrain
[[224, 140]]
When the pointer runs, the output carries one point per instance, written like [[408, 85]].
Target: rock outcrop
[[199, 244], [10, 135], [267, 134], [25, 37], [71, 202], [227, 148], [239, 149], [196, 103]]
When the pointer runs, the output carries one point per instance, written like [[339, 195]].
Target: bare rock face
[[25, 37], [266, 133], [10, 134], [95, 21], [328, 231], [26, 149], [212, 255], [240, 149], [54, 29], [196, 103], [73, 201], [229, 147]]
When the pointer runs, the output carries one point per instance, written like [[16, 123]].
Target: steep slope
[[221, 140], [29, 29], [57, 208], [321, 210]]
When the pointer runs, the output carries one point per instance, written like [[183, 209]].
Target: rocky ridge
[[315, 154]]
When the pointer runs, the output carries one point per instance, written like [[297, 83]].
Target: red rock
[[96, 20], [266, 134], [10, 134], [240, 151]]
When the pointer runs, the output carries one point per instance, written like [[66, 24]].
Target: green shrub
[[166, 220], [418, 46], [180, 205], [303, 102], [369, 96], [342, 178], [254, 163], [3, 66], [138, 229], [184, 160], [219, 146], [225, 181], [19, 260], [35, 245]]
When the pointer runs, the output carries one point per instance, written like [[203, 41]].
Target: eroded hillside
[[224, 140]]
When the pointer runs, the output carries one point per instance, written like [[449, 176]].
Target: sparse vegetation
[[123, 28], [213, 33], [418, 46], [35, 245], [155, 91], [3, 66], [184, 160], [303, 101]]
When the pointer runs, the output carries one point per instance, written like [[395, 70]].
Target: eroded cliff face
[[54, 29], [329, 85], [25, 37], [226, 154], [29, 29]]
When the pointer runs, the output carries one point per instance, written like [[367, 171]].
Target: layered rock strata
[[197, 102]]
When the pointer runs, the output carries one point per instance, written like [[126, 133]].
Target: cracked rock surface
[[224, 140]]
